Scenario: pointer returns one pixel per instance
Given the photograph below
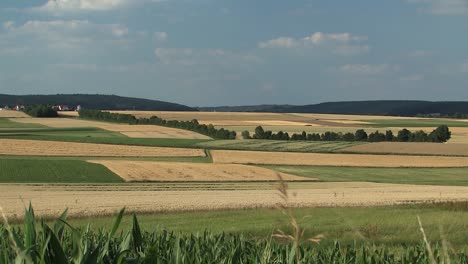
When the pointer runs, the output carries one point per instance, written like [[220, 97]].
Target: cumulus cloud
[[367, 69], [160, 36], [87, 5], [340, 43], [442, 7], [8, 24]]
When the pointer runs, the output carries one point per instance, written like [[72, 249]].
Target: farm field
[[338, 160], [380, 225], [410, 148], [277, 145], [54, 171], [51, 148], [11, 113], [85, 200], [6, 123], [422, 176], [134, 131], [135, 171]]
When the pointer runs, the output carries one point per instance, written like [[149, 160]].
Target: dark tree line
[[40, 111], [193, 125], [438, 135]]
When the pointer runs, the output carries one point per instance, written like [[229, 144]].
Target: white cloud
[[160, 36], [55, 6], [119, 31], [442, 7], [8, 25], [367, 69], [412, 78], [339, 43]]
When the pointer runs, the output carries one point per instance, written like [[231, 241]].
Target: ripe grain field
[[83, 200], [339, 160], [51, 148], [177, 171], [413, 148]]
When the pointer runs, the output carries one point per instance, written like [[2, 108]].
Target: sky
[[237, 52]]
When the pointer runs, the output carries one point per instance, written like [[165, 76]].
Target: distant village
[[55, 107]]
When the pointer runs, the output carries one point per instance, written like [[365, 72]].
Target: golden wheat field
[[411, 148], [134, 131], [11, 113], [52, 148], [85, 200], [179, 171], [351, 160]]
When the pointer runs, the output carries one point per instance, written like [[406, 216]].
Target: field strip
[[179, 171], [351, 160], [12, 113], [411, 148], [135, 131], [50, 201], [53, 148]]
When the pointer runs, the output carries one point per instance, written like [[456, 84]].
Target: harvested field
[[351, 160], [411, 148], [177, 171], [11, 113], [52, 148], [135, 131], [86, 200]]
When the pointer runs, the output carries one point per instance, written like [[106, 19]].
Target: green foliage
[[440, 134], [6, 123], [246, 134], [64, 244], [54, 171], [193, 125], [41, 111]]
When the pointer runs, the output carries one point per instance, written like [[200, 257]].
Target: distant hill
[[93, 101], [381, 107]]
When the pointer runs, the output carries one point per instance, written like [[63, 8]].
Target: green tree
[[246, 134], [404, 135], [360, 135], [440, 134]]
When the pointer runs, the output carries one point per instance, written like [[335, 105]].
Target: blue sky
[[237, 52]]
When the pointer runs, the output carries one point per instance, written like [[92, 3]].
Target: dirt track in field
[[51, 148], [352, 160], [11, 113], [134, 131], [178, 171], [98, 200], [411, 148]]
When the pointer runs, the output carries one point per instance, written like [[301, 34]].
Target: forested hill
[[382, 107], [91, 101]]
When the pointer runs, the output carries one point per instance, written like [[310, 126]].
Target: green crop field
[[426, 176], [61, 132], [277, 145], [417, 123], [7, 123], [391, 225], [54, 171]]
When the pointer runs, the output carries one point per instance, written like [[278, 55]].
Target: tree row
[[439, 135]]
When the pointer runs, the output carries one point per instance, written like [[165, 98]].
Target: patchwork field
[[85, 200], [346, 160], [11, 113], [51, 148], [134, 131], [135, 171], [410, 148]]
